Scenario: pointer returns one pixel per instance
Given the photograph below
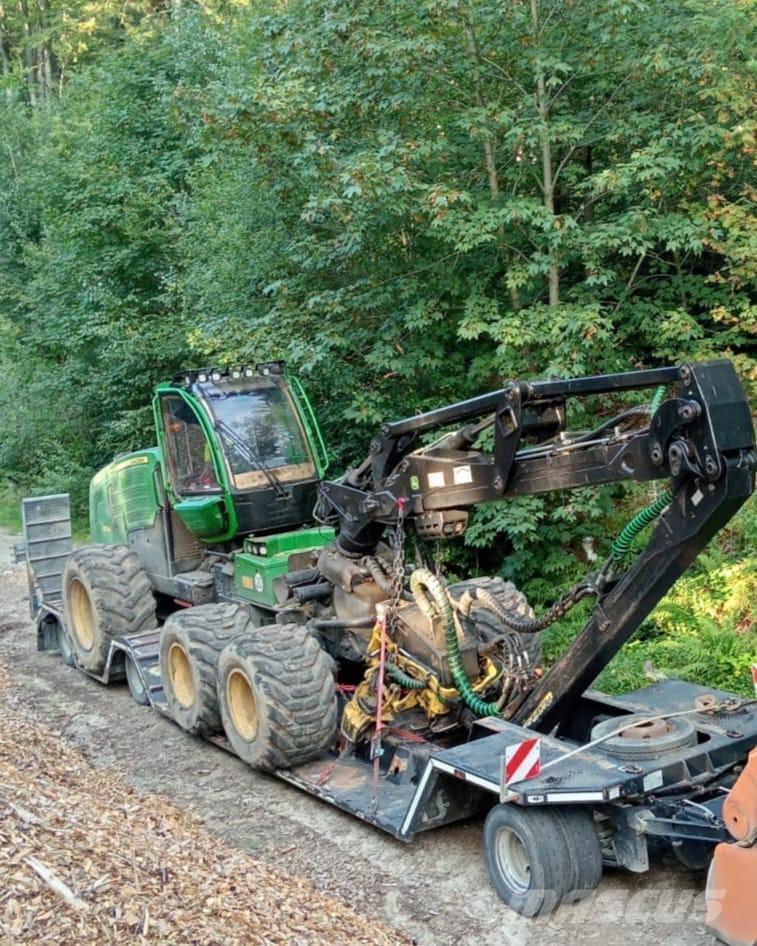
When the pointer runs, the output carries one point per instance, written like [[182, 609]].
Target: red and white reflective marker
[[522, 761]]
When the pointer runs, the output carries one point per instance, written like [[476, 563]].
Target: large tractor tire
[[277, 697], [190, 644], [106, 593], [507, 596]]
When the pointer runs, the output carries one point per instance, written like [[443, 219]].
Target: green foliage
[[10, 509], [407, 201], [705, 630]]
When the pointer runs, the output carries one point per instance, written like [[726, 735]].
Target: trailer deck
[[423, 785], [624, 804]]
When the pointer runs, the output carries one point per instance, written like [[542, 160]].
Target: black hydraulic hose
[[378, 574], [315, 592], [326, 624], [301, 576], [533, 625], [639, 411]]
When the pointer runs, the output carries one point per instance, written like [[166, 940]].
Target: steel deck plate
[[593, 775], [348, 784]]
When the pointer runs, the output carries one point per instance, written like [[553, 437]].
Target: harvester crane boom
[[701, 439]]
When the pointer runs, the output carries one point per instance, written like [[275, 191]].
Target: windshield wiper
[[251, 456]]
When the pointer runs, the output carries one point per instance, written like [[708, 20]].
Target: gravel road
[[436, 890]]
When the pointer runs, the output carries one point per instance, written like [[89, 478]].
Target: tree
[[410, 202]]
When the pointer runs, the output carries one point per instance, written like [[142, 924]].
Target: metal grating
[[47, 535], [186, 546]]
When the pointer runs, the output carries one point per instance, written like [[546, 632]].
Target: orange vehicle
[[732, 879]]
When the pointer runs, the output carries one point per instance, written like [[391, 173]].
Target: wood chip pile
[[84, 859]]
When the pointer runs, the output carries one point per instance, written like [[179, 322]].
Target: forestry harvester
[[301, 624]]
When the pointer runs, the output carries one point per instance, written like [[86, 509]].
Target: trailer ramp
[[47, 538]]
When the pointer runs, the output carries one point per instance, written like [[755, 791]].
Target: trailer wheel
[[277, 697], [106, 594], [694, 855], [190, 644], [582, 840], [529, 858]]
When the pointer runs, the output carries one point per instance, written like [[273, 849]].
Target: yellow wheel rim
[[82, 615], [243, 707], [180, 675]]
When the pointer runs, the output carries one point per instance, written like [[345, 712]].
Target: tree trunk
[[548, 186], [490, 154], [5, 58], [46, 65], [589, 169], [30, 63], [4, 43]]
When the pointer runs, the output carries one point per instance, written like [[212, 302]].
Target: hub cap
[[180, 673], [512, 860], [243, 707], [82, 615], [647, 730]]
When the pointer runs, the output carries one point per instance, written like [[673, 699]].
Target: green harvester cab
[[236, 472]]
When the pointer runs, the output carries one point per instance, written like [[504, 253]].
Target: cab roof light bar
[[228, 373]]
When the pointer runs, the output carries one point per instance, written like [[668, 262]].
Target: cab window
[[190, 462], [262, 418]]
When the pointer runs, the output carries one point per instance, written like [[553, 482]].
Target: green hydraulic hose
[[622, 544], [431, 596], [657, 399], [404, 679]]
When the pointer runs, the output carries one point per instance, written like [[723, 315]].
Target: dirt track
[[435, 890], [134, 877]]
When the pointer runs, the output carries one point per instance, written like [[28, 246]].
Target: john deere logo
[[258, 581]]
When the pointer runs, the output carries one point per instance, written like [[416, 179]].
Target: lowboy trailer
[[414, 704]]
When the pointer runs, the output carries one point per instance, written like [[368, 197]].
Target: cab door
[[192, 476]]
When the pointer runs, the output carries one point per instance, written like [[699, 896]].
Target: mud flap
[[629, 843]]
